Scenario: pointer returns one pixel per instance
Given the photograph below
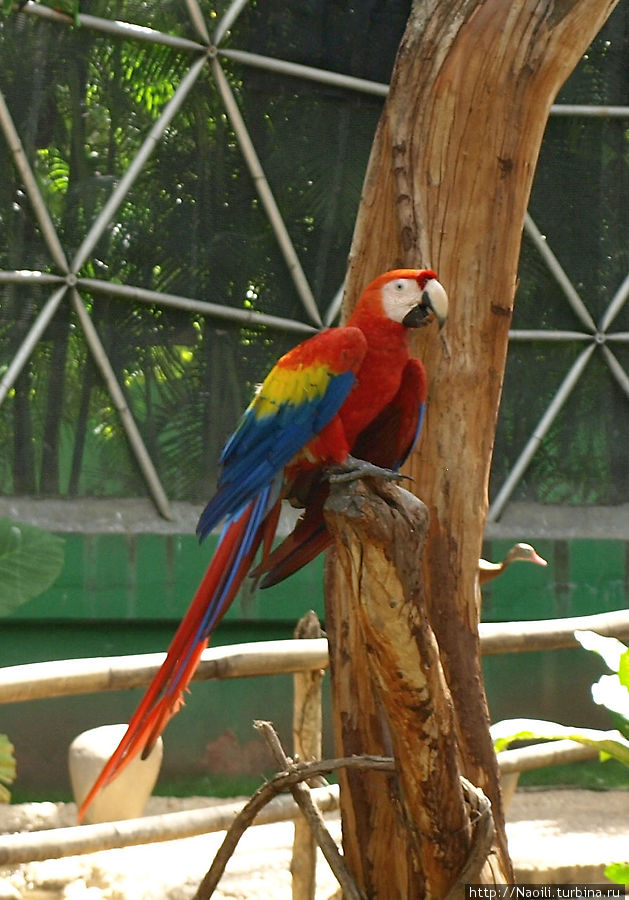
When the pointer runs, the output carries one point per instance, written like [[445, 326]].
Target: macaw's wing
[[299, 397], [308, 538], [389, 439], [386, 442]]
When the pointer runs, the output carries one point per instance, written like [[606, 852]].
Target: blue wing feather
[[261, 447]]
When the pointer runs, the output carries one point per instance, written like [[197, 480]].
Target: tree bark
[[409, 837], [447, 187]]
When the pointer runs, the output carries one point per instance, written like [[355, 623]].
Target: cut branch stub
[[386, 649]]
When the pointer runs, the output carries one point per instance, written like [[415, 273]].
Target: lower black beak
[[417, 316]]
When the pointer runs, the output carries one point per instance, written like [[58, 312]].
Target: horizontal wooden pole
[[60, 678], [549, 634], [537, 756], [55, 843]]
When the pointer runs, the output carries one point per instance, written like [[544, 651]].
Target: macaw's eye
[[399, 285]]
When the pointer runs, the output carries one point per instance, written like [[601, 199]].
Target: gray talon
[[353, 469]]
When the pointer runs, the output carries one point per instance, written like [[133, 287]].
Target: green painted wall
[[114, 577], [582, 577], [118, 595], [124, 594]]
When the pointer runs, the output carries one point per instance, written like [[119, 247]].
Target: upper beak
[[436, 299], [434, 303]]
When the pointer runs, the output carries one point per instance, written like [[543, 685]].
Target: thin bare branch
[[284, 780], [313, 817]]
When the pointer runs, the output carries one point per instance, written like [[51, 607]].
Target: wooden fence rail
[[79, 676], [549, 634], [62, 678], [74, 840], [36, 681], [56, 843]]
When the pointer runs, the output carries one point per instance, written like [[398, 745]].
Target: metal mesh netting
[[575, 302], [191, 225], [178, 218]]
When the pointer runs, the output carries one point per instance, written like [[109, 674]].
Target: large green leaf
[[623, 669], [30, 561], [610, 649], [610, 691], [7, 767], [618, 872], [609, 743]]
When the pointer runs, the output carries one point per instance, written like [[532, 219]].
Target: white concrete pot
[[127, 795]]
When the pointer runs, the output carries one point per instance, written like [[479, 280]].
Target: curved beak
[[434, 304], [436, 299]]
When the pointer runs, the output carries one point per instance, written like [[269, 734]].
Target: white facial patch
[[399, 297]]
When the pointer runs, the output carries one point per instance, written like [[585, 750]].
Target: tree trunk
[[404, 700], [447, 187]]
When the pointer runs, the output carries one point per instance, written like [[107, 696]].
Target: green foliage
[[209, 785], [588, 775], [610, 691], [610, 649], [7, 767], [618, 872], [30, 560], [608, 743], [70, 7]]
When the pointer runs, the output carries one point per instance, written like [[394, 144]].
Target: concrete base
[[567, 836], [127, 795]]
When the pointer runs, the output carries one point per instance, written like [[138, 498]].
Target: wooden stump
[[406, 835]]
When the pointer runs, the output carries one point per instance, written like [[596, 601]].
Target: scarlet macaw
[[343, 393]]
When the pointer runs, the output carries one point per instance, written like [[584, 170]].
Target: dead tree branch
[[302, 798], [282, 781]]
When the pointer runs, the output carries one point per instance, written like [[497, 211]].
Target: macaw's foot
[[353, 468]]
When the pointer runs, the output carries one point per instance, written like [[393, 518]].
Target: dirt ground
[[555, 836], [567, 836]]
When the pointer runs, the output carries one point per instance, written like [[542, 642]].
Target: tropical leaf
[[623, 669], [608, 743], [618, 872], [7, 767], [30, 561], [609, 692], [610, 649]]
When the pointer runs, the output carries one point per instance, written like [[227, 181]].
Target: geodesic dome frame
[[258, 97]]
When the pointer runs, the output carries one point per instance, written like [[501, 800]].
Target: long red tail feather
[[164, 696]]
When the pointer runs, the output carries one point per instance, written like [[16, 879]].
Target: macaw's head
[[412, 297]]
